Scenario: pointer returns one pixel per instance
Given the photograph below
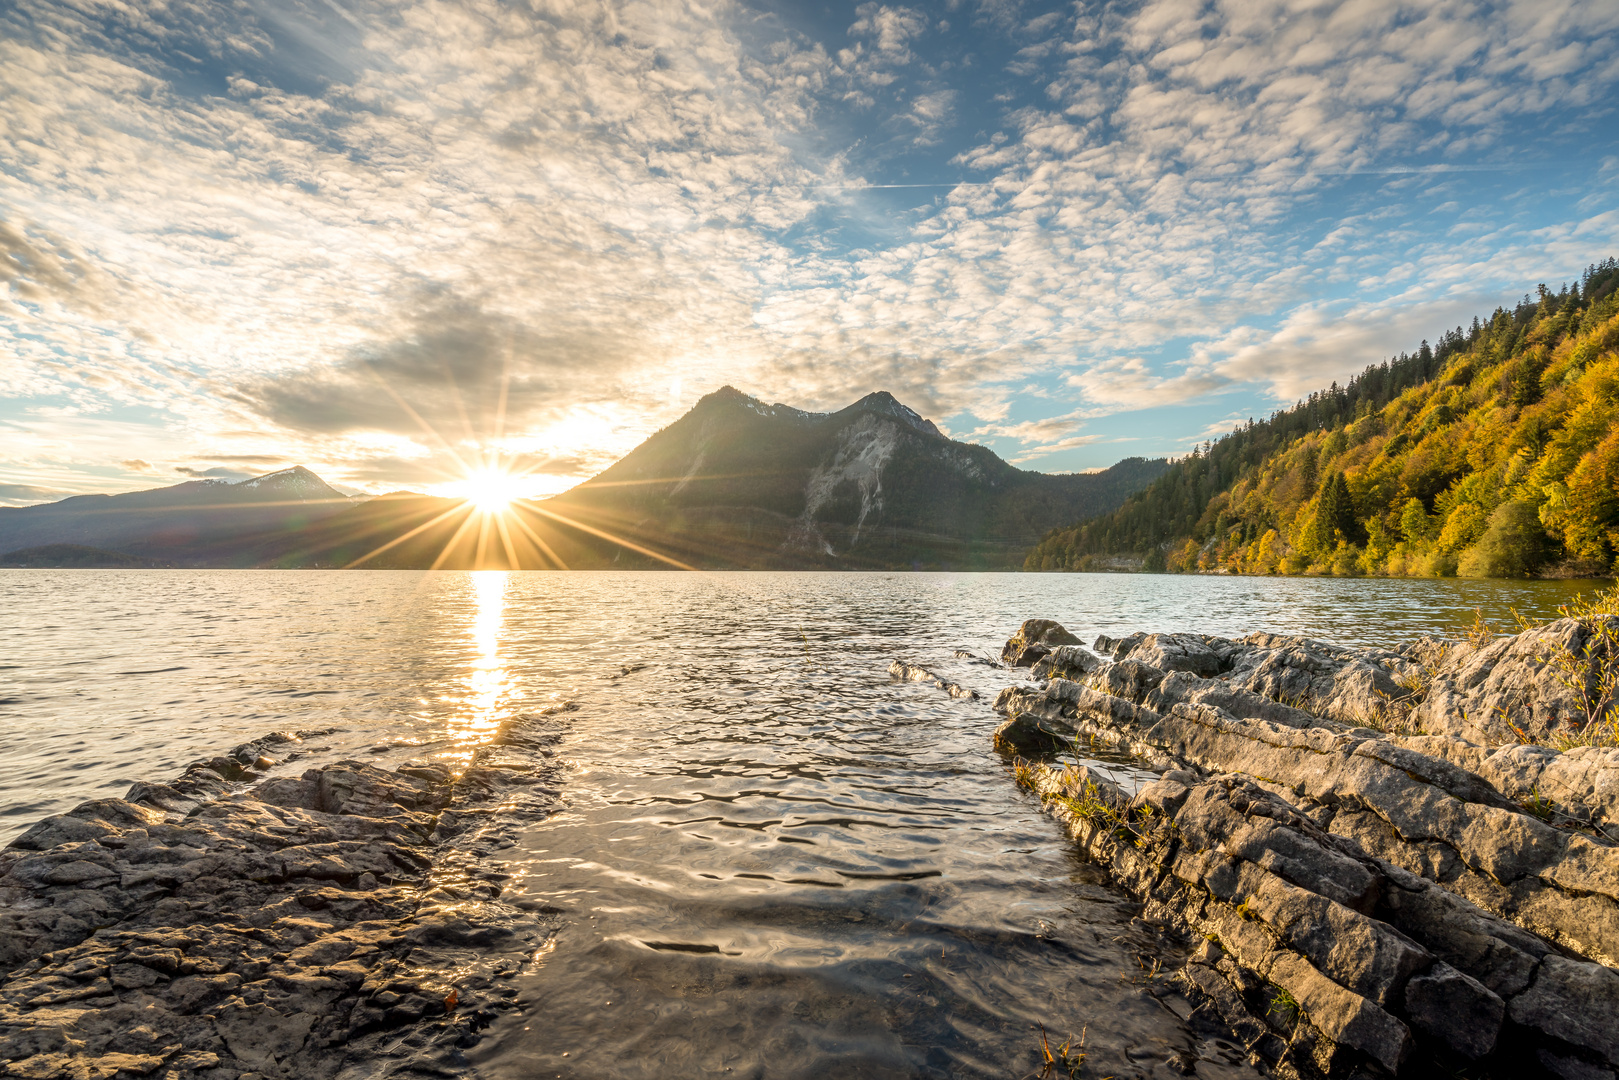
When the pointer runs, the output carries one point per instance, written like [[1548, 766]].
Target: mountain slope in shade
[[191, 519], [76, 557], [736, 482]]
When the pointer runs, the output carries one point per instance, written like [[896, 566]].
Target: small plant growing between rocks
[[1538, 805], [1481, 633], [1590, 672], [1283, 1005]]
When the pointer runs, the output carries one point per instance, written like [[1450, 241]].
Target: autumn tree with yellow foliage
[[1494, 455]]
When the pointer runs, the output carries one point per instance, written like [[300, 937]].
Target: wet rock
[[203, 928], [899, 669], [1034, 639], [1412, 896]]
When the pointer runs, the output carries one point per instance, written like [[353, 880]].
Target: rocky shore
[[1385, 863], [348, 922]]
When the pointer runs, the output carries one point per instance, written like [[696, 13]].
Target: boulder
[[1483, 694], [1033, 640]]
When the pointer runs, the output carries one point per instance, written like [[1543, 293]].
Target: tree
[[1514, 544], [1417, 525], [1334, 516]]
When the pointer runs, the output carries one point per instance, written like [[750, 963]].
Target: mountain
[[1495, 454], [76, 556], [187, 522], [739, 483], [734, 483]]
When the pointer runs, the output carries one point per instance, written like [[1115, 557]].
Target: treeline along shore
[[1384, 862], [1493, 453]]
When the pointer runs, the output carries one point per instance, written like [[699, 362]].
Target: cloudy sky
[[362, 234]]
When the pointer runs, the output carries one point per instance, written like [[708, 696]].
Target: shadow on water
[[774, 862]]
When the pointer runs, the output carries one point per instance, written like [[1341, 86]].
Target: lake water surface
[[775, 862]]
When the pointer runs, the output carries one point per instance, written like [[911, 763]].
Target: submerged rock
[[208, 929], [1369, 899], [899, 669]]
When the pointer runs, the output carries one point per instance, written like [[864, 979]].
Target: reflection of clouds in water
[[489, 682]]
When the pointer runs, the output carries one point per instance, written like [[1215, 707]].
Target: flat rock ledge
[[1390, 900], [348, 922]]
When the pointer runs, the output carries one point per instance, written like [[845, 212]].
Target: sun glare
[[492, 492]]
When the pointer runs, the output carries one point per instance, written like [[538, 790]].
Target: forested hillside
[[1494, 454]]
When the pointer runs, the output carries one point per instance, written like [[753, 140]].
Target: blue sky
[[378, 238]]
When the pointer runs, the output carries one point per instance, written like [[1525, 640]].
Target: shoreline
[[1380, 886], [227, 926]]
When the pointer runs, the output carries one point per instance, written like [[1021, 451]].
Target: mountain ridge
[[733, 483], [872, 485], [173, 521]]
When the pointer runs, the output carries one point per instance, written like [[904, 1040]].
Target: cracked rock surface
[[1369, 903], [344, 923]]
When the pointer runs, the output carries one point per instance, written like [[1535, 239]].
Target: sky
[[386, 239]]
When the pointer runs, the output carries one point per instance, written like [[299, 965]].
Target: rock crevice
[[224, 926], [1367, 900]]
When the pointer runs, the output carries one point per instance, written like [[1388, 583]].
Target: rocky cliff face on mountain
[[736, 482], [1381, 875]]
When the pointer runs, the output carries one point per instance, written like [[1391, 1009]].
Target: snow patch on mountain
[[297, 482]]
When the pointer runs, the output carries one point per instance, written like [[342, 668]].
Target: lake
[[775, 861]]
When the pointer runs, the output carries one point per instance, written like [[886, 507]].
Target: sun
[[491, 491]]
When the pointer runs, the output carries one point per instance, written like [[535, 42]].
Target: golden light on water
[[489, 681]]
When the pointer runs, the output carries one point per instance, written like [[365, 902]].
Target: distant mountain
[[75, 556], [187, 522], [736, 482]]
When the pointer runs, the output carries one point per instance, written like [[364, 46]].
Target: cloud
[[1074, 443], [1321, 343], [890, 31], [29, 495], [137, 465], [216, 473], [431, 228]]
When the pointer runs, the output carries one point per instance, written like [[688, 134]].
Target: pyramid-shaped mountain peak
[[736, 482]]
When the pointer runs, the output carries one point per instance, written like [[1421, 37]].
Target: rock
[[1192, 653], [1034, 639], [1575, 1002], [1480, 694], [898, 669], [206, 928], [261, 1037], [1067, 662], [1409, 893], [1456, 1010], [1349, 685], [1026, 734]]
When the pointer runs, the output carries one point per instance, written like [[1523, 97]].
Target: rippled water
[[776, 862]]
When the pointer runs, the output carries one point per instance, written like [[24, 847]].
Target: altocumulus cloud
[[375, 236]]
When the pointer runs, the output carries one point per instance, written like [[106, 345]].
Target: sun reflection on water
[[489, 682]]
